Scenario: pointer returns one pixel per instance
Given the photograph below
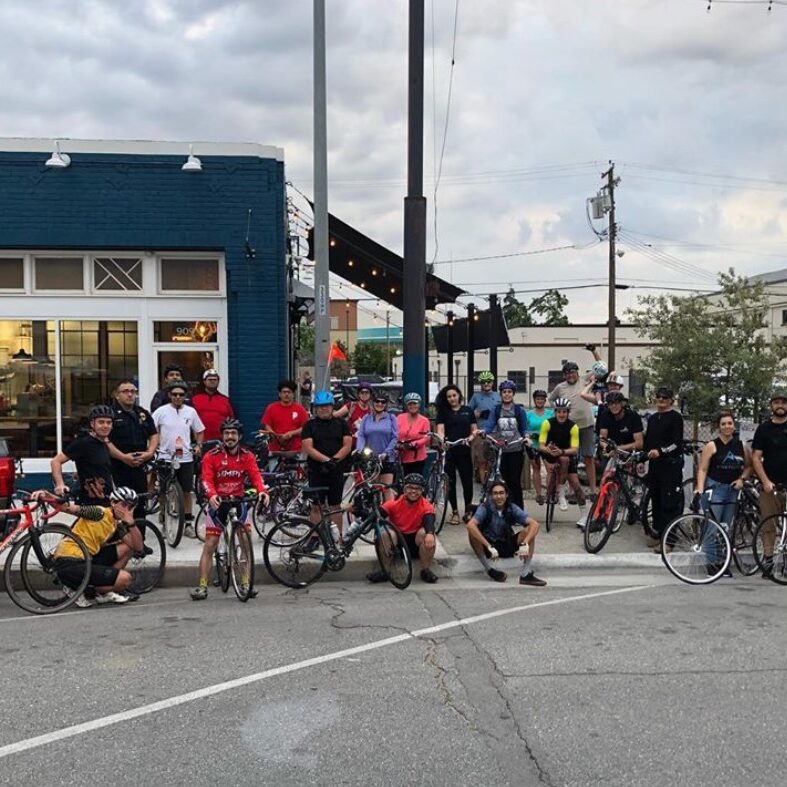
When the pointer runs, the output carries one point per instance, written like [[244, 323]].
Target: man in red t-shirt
[[414, 516], [212, 407], [283, 420]]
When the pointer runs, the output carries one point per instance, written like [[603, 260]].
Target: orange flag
[[336, 353]]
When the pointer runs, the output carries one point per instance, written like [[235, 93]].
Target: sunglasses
[[177, 395], [381, 401], [128, 390]]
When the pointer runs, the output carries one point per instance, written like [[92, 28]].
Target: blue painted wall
[[144, 202]]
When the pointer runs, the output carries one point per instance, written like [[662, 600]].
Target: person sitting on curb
[[414, 516], [491, 533]]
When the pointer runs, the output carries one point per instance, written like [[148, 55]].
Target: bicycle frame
[[27, 522]]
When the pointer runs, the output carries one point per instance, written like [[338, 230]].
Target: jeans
[[722, 504]]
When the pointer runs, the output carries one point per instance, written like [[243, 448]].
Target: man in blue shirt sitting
[[492, 535]]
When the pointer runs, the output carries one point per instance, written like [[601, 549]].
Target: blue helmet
[[510, 384], [323, 397]]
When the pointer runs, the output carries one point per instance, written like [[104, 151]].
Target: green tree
[[369, 358], [546, 309], [306, 343], [714, 350], [515, 312]]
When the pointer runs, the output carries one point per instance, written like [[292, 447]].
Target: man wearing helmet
[[111, 537], [90, 452], [326, 443], [581, 415], [482, 403], [226, 472], [172, 372], [559, 444], [414, 516]]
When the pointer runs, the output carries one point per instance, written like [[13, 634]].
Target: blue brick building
[[123, 261]]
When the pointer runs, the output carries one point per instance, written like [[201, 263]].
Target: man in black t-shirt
[[90, 452], [769, 455], [620, 424], [326, 441]]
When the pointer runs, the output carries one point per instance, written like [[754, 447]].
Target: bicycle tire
[[691, 549], [742, 541], [32, 583], [241, 568], [288, 555], [221, 561], [148, 571], [174, 512], [393, 555], [440, 502], [263, 516], [201, 522], [772, 529], [551, 502], [601, 519]]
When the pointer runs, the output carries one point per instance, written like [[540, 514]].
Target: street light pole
[[388, 342], [347, 326]]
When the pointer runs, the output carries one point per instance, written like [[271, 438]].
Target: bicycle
[[297, 551], [234, 557], [172, 503], [147, 567], [770, 545], [494, 471], [437, 482], [614, 500], [31, 568]]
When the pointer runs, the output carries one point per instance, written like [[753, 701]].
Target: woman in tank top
[[725, 464]]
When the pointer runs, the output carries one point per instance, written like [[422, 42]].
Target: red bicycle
[[38, 549]]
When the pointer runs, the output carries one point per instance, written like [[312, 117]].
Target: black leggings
[[459, 459], [511, 465], [664, 481]]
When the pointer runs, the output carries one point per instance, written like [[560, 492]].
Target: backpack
[[519, 412]]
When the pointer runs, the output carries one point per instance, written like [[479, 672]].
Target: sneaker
[[111, 598], [562, 502], [540, 500], [583, 516], [130, 596], [497, 574], [467, 516], [83, 603], [532, 580], [427, 575], [189, 531], [377, 576], [199, 593], [244, 589], [767, 568]]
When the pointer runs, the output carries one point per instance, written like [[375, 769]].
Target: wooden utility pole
[[612, 234]]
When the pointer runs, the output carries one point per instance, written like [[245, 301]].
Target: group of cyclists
[[489, 438]]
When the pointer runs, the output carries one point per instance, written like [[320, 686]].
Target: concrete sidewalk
[[560, 549]]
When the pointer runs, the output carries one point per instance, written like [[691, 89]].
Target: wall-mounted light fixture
[[58, 160], [193, 164]]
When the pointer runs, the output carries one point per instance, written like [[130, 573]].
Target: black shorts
[[572, 462], [334, 480], [70, 573], [412, 547], [507, 546], [388, 467], [185, 475]]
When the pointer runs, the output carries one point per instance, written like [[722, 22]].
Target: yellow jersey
[[95, 527]]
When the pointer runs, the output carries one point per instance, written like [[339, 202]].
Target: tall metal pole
[[450, 348], [388, 342], [493, 334], [322, 319], [470, 349], [610, 176], [414, 289]]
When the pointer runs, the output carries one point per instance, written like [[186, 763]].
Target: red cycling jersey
[[225, 474]]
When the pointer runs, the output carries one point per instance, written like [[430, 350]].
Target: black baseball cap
[[664, 392]]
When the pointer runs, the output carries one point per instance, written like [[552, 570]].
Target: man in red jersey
[[212, 407], [283, 420], [414, 516], [226, 470]]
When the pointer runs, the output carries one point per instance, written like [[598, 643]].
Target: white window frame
[[91, 260], [15, 290], [219, 258], [49, 255]]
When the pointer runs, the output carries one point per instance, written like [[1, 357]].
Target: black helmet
[[539, 393], [172, 367], [414, 479], [101, 411], [231, 423], [177, 384], [779, 393], [570, 366], [614, 396], [664, 392]]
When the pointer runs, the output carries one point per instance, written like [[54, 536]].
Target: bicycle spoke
[[695, 549]]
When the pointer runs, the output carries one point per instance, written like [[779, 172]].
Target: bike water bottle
[[355, 526], [178, 451], [335, 533]]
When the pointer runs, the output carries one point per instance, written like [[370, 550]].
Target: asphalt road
[[629, 679]]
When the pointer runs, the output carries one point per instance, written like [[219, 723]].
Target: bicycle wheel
[[695, 549], [265, 516], [294, 553], [241, 563], [393, 555], [174, 510], [646, 515], [549, 514], [770, 547], [221, 559], [31, 579], [201, 522], [147, 569], [742, 541], [602, 518], [439, 499]]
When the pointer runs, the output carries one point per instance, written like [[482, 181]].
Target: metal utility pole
[[322, 318], [450, 348], [493, 335], [388, 342], [470, 349], [414, 285], [611, 182]]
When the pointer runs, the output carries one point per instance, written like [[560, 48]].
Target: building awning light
[[193, 164], [58, 160]]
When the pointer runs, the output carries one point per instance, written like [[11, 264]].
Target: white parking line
[[219, 688]]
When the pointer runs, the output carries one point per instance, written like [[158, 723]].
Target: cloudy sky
[[690, 104]]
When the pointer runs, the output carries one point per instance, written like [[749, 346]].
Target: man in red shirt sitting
[[414, 515], [283, 420], [212, 407], [226, 470]]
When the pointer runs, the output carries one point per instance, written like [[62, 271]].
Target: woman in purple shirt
[[379, 432]]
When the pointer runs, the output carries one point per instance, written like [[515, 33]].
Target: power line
[[517, 253], [667, 259]]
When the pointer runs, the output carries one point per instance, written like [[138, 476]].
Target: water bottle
[[222, 548], [178, 458], [352, 531], [335, 533]]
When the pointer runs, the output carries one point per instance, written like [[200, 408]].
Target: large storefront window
[[94, 357]]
